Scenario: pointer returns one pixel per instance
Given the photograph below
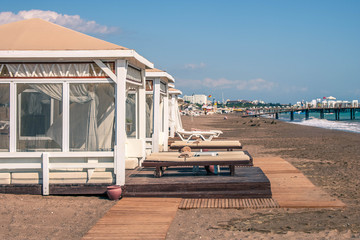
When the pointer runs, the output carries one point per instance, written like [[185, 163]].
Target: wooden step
[[204, 194]]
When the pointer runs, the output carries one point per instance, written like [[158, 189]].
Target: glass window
[[149, 115], [162, 87], [149, 85], [131, 115], [4, 116], [39, 117], [92, 111]]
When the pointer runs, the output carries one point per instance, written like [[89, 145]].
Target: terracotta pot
[[114, 192]]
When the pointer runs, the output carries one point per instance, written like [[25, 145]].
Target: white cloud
[[195, 66], [71, 21], [222, 83]]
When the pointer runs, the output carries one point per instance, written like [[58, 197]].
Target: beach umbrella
[[331, 97]]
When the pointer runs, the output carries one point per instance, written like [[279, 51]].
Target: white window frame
[[66, 120], [135, 91]]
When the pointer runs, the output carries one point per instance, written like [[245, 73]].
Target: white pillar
[[173, 116], [156, 117], [45, 171], [13, 120], [66, 117], [120, 132], [142, 113], [166, 120]]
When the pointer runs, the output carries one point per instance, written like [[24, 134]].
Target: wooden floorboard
[[292, 189], [233, 203], [136, 218]]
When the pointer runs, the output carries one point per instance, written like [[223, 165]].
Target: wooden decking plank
[[290, 188], [128, 220]]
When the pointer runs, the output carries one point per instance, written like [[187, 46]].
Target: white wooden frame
[[166, 119], [156, 115], [160, 116], [119, 149]]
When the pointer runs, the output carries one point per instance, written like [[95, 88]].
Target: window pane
[[4, 116], [131, 115], [39, 118], [149, 115], [92, 108]]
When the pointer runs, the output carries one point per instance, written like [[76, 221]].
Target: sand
[[330, 159]]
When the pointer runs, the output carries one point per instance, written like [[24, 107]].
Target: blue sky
[[271, 50]]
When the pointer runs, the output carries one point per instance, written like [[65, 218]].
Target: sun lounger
[[203, 135], [227, 145], [162, 160]]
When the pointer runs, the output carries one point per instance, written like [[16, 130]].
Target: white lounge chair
[[203, 135]]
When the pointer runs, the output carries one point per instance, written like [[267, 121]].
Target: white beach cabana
[[72, 107], [175, 123], [157, 108]]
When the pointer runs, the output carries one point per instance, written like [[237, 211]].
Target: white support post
[[156, 116], [120, 133], [173, 116], [13, 120], [66, 118], [90, 171], [166, 120], [106, 70], [45, 173], [142, 113]]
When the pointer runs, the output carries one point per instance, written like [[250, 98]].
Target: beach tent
[[72, 106], [157, 108], [175, 123]]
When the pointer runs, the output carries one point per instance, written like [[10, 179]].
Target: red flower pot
[[114, 192]]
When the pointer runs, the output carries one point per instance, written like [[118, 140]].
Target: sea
[[345, 124]]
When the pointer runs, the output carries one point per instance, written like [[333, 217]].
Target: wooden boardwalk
[[150, 218], [136, 218], [291, 189]]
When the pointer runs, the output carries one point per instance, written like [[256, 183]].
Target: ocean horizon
[[329, 122]]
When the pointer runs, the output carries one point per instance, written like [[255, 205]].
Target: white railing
[[45, 165]]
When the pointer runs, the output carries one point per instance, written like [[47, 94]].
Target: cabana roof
[[175, 91], [38, 34], [38, 39], [154, 72]]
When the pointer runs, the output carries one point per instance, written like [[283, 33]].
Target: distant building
[[197, 99], [256, 102]]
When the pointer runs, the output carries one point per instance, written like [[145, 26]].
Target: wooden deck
[[291, 189], [136, 218], [182, 182]]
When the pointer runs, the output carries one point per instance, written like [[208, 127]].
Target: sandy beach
[[330, 159]]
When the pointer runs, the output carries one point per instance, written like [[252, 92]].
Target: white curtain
[[149, 115], [83, 136], [131, 115], [178, 123]]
